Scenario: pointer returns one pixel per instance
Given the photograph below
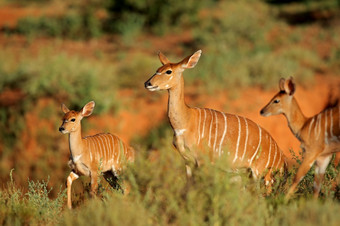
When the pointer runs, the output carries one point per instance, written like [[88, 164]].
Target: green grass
[[160, 195], [31, 207]]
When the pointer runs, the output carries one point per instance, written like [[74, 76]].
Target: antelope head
[[281, 102], [71, 118], [168, 75]]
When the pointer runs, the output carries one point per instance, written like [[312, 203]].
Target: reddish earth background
[[140, 114]]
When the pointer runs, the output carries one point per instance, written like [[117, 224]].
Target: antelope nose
[[147, 83], [262, 112], [61, 129]]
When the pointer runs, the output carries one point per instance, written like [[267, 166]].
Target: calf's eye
[[73, 120], [168, 72]]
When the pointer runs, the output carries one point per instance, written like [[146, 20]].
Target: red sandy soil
[[10, 14]]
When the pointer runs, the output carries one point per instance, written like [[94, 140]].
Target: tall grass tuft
[[32, 207]]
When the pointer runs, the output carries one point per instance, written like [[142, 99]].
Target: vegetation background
[[58, 51]]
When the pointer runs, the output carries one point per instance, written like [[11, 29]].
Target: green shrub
[[33, 207], [238, 52], [130, 17], [65, 77], [71, 25], [45, 209]]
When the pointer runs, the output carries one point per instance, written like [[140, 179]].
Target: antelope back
[[108, 150], [245, 142]]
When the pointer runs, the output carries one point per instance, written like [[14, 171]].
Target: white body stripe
[[212, 118], [317, 129], [331, 127], [199, 126], [101, 149], [310, 126], [205, 117], [111, 149], [106, 154], [274, 155], [216, 124], [238, 138], [246, 142], [97, 148], [270, 150], [118, 155], [90, 149], [101, 143], [258, 146], [326, 132], [278, 162], [224, 132]]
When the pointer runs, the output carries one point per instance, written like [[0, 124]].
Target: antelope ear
[[282, 84], [163, 58], [88, 109], [191, 61], [64, 108], [289, 86]]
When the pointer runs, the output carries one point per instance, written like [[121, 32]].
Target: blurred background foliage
[[77, 51]]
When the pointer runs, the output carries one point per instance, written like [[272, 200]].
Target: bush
[[240, 54], [155, 15], [33, 207], [72, 25]]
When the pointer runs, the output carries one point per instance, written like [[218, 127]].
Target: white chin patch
[[64, 132], [266, 114], [153, 88]]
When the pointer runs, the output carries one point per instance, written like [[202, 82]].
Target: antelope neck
[[295, 118], [178, 111], [76, 142]]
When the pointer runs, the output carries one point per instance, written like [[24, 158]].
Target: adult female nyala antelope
[[93, 154], [198, 130], [319, 135]]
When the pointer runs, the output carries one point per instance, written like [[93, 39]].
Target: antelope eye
[[168, 72], [73, 120], [276, 101]]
